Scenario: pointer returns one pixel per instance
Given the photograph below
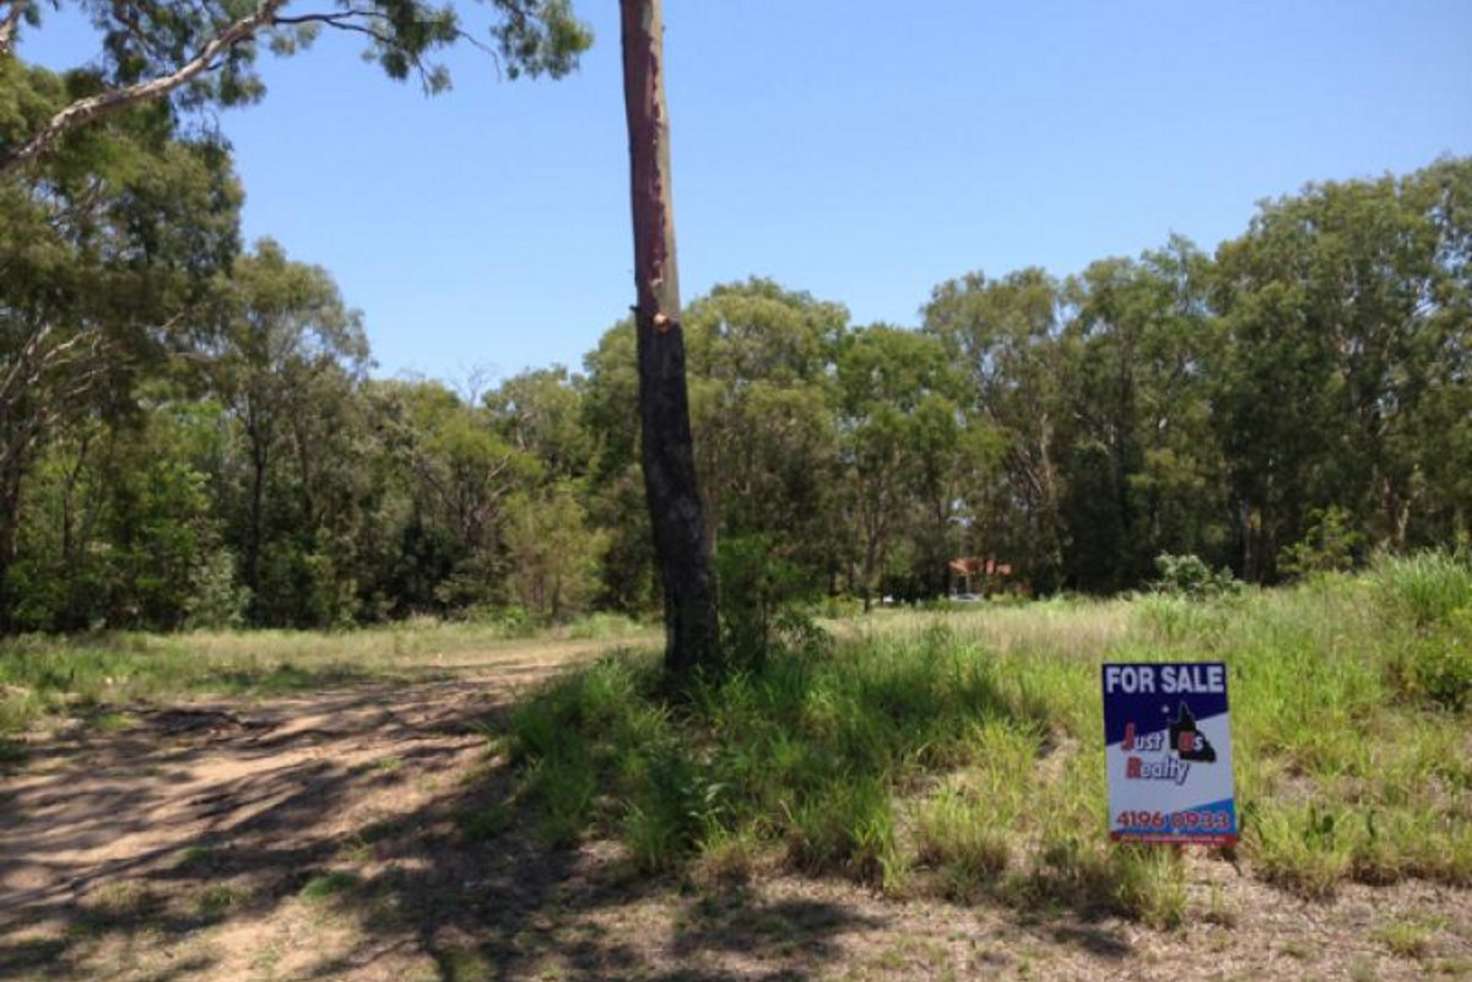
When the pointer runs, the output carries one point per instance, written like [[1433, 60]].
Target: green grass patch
[[13, 754], [484, 824], [217, 900], [325, 886], [957, 752], [1410, 937]]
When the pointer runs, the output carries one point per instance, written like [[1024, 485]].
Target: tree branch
[[8, 25], [105, 103]]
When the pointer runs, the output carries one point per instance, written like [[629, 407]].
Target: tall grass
[[958, 753]]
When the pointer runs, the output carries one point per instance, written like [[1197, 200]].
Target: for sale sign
[[1169, 751]]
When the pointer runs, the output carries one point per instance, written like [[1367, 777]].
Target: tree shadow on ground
[[115, 847], [355, 824]]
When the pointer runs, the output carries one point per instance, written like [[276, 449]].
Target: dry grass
[[46, 677], [925, 801]]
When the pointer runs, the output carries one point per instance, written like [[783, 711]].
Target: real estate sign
[[1169, 751]]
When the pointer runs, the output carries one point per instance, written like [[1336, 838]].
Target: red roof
[[972, 565]]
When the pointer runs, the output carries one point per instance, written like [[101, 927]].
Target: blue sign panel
[[1169, 752]]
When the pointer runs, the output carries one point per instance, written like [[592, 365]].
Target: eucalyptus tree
[[763, 404], [541, 412], [204, 52], [1144, 473], [1005, 336], [281, 339], [106, 264], [682, 544], [894, 387], [1347, 308]]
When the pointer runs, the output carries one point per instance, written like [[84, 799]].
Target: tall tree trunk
[[9, 525], [257, 519], [681, 544]]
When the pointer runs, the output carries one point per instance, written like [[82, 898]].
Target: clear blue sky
[[860, 150]]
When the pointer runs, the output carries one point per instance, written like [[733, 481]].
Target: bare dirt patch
[[368, 833]]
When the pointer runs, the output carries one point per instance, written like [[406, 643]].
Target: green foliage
[[761, 595], [1188, 576], [531, 37], [1328, 545], [217, 601], [553, 555], [234, 463], [325, 886], [1435, 666], [811, 747], [964, 836]]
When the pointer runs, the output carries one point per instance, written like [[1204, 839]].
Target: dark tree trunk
[[9, 523], [257, 508], [681, 545]]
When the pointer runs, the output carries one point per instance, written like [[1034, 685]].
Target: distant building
[[971, 575]]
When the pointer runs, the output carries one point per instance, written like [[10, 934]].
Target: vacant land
[[923, 797]]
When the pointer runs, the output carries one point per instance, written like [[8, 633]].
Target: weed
[[464, 965], [1150, 885], [324, 886], [728, 858], [604, 626], [485, 824], [1301, 849], [1218, 910], [1408, 937], [1363, 970], [217, 899], [1425, 588], [963, 838]]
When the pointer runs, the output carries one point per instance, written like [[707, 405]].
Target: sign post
[[1168, 745]]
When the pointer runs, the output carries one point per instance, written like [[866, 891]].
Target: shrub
[[216, 600], [1328, 546], [1436, 668], [1189, 576], [762, 595], [507, 621]]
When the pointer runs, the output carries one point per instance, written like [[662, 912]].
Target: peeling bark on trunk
[[681, 543]]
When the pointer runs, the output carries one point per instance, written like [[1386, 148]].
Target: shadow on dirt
[[366, 809]]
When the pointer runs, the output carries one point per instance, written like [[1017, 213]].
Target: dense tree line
[[190, 433]]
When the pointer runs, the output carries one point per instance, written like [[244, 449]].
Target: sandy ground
[[356, 833]]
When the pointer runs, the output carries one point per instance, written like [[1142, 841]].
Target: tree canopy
[[191, 433]]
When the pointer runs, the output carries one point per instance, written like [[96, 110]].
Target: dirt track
[[107, 833], [327, 836]]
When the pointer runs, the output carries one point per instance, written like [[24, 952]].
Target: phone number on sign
[[1190, 821]]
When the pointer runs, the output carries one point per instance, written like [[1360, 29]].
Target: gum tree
[[204, 52], [676, 513]]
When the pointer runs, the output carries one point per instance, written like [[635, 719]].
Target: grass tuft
[[325, 886], [956, 749]]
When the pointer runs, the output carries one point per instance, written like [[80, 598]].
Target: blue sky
[[838, 146]]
